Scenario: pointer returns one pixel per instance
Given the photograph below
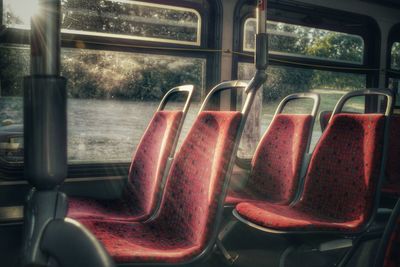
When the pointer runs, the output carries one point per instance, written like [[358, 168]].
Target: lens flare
[[19, 12]]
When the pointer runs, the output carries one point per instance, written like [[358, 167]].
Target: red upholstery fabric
[[245, 195], [188, 209], [277, 161], [392, 255], [340, 183], [139, 198], [392, 183]]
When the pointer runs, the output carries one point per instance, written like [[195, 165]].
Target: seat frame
[[338, 108], [293, 97], [176, 90]]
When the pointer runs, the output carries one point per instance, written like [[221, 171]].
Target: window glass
[[394, 84], [116, 18], [395, 56], [14, 65], [283, 81], [111, 97], [295, 40]]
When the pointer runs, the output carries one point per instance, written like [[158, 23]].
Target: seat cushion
[[283, 217], [138, 242], [107, 210]]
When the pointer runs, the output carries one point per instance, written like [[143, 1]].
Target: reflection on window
[[295, 40], [116, 18], [112, 96], [395, 56], [283, 81], [394, 84]]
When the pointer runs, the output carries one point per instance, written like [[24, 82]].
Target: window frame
[[293, 55], [211, 23], [133, 37]]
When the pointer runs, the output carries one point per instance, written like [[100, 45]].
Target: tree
[[396, 56], [341, 47]]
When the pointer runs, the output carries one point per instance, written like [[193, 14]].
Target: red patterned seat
[[391, 187], [139, 198], [341, 182], [192, 195], [277, 162]]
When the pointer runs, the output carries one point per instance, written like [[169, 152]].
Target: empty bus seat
[[391, 186], [145, 175], [340, 184], [141, 195], [277, 162], [193, 191]]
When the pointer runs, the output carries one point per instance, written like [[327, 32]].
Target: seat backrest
[[278, 159], [393, 167], [344, 170], [149, 162], [197, 176]]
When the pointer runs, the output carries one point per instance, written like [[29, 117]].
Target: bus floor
[[253, 248]]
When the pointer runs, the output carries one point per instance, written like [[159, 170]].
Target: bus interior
[[248, 133]]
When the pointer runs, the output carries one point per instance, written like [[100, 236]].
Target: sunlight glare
[[22, 10]]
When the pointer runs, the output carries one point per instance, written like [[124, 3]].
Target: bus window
[[283, 81], [395, 56], [107, 83], [295, 40], [136, 20], [105, 90], [395, 85], [394, 74]]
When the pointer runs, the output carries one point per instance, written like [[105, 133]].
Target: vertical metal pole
[[252, 130], [45, 102], [261, 37], [45, 131], [45, 39]]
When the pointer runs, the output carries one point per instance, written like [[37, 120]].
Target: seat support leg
[[228, 257]]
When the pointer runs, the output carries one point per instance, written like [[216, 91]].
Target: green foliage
[[396, 56], [14, 65], [103, 74], [285, 81], [337, 46]]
